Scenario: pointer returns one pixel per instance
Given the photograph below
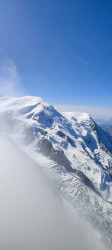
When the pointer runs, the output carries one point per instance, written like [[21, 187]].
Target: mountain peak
[[78, 116]]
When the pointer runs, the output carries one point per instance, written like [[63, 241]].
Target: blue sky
[[60, 50]]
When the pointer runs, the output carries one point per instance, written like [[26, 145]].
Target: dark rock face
[[62, 135], [45, 147], [43, 132], [104, 139], [85, 179], [70, 141]]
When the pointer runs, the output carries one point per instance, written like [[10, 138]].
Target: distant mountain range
[[105, 125], [107, 128], [104, 122], [76, 152]]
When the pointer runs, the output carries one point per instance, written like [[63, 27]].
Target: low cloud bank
[[31, 215]]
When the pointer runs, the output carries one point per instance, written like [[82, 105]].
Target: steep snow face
[[72, 138]]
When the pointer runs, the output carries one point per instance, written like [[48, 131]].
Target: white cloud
[[82, 60], [9, 78], [95, 113]]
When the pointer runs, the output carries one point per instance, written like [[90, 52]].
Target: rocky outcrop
[[104, 139], [85, 179], [68, 139], [45, 146]]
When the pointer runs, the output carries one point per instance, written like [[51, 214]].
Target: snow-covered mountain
[[72, 140], [74, 149]]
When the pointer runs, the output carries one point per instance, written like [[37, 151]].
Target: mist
[[32, 216]]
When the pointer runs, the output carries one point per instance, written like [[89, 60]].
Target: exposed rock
[[70, 141], [43, 132], [85, 179], [45, 147], [102, 137], [61, 134]]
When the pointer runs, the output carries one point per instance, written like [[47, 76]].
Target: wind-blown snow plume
[[9, 78]]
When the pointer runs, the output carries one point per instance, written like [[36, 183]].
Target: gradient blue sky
[[62, 49]]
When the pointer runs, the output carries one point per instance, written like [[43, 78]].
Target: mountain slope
[[72, 140]]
